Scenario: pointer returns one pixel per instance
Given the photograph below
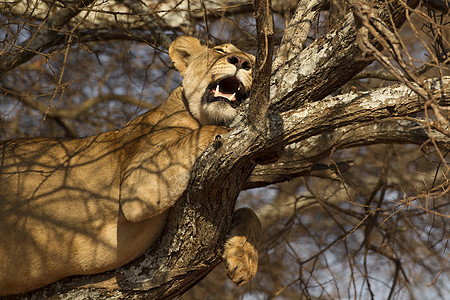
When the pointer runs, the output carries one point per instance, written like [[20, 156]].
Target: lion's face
[[215, 80]]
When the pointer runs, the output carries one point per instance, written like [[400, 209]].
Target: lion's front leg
[[241, 254], [156, 177]]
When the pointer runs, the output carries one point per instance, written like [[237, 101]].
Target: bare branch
[[139, 9], [45, 36], [259, 97], [74, 112], [297, 31]]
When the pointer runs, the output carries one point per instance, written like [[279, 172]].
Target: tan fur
[[88, 205]]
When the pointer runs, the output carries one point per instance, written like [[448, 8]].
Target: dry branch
[[358, 108], [45, 36], [259, 97]]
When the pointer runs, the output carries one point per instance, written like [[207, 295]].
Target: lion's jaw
[[221, 99]]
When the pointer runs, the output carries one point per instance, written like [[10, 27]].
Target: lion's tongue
[[218, 93]]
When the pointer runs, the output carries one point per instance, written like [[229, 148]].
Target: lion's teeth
[[232, 97], [217, 92]]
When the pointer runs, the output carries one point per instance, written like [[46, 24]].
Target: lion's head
[[215, 80]]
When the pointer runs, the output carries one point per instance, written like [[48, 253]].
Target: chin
[[220, 101], [218, 113]]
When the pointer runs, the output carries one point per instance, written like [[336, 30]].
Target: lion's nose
[[240, 62]]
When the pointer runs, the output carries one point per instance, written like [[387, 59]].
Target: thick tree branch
[[296, 32], [351, 120], [312, 74], [259, 97], [301, 159], [359, 108]]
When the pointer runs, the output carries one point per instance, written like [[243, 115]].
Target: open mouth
[[228, 89]]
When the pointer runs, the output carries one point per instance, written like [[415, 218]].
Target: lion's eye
[[219, 50]]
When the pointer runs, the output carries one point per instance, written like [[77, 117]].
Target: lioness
[[88, 205]]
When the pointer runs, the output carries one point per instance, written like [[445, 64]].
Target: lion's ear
[[183, 50]]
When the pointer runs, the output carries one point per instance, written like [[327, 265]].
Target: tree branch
[[312, 75], [144, 21], [259, 96], [45, 36], [359, 108], [296, 32], [351, 120], [74, 112], [139, 9], [301, 159]]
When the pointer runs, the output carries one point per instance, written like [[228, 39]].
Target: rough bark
[[302, 159], [260, 86], [328, 63]]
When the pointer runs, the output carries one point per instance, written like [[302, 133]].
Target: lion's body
[[83, 206]]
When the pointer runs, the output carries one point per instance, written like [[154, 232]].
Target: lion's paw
[[240, 255], [241, 260]]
